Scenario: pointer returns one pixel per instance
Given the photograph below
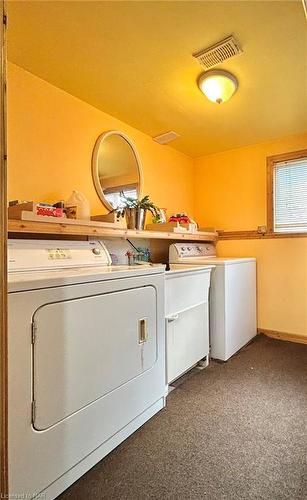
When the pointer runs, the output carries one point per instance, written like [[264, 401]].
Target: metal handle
[[172, 318], [143, 330]]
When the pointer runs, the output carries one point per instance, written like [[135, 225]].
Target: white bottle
[[81, 203]]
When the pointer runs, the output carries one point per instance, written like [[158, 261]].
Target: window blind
[[290, 196]]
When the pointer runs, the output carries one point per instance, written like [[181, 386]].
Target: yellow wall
[[230, 194], [230, 187], [282, 280], [51, 135]]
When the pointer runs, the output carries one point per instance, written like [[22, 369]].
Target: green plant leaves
[[128, 202]]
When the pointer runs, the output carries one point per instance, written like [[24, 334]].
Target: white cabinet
[[187, 318]]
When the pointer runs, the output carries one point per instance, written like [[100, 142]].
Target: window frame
[[271, 163]]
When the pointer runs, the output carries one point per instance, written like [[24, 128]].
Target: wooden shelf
[[62, 229]]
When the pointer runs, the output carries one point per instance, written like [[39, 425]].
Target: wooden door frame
[[3, 259]]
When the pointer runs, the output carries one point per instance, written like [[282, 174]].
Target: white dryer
[[86, 359], [233, 321]]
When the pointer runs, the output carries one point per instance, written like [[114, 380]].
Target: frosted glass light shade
[[218, 85]]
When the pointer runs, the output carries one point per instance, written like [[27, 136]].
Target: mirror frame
[[102, 137]]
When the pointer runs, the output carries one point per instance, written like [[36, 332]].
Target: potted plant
[[135, 210]]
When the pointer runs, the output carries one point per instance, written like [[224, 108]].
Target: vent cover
[[165, 138], [218, 52]]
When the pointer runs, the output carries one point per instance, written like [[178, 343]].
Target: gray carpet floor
[[236, 430]]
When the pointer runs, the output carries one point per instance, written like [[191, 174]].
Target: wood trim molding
[[271, 161], [3, 261], [254, 235], [270, 194], [289, 337]]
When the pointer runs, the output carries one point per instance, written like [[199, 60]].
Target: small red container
[[49, 211]]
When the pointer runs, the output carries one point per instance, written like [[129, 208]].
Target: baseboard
[[289, 337]]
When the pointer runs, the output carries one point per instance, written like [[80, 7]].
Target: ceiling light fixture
[[218, 85]]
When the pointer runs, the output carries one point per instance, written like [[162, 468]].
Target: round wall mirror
[[116, 168]]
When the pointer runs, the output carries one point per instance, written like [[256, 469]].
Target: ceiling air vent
[[218, 52], [165, 138]]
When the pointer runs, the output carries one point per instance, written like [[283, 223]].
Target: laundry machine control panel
[[179, 251], [37, 255]]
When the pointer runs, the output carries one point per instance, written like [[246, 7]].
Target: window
[[115, 198], [113, 195], [287, 192]]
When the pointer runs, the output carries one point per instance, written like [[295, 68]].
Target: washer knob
[[96, 251]]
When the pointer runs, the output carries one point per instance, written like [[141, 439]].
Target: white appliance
[[187, 318], [233, 320], [86, 359]]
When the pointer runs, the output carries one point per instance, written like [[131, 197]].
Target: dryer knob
[[96, 251]]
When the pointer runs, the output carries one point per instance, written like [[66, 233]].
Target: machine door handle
[[172, 318], [143, 334]]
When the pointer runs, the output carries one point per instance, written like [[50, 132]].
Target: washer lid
[[217, 261]]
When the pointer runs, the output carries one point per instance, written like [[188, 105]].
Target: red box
[[49, 211]]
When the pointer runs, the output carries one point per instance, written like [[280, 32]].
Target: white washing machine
[[86, 359], [233, 321]]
